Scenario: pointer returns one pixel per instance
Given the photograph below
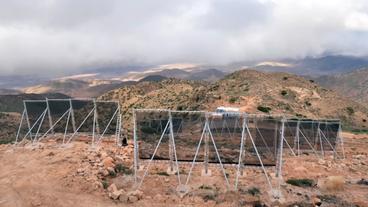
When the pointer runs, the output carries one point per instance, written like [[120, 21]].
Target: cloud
[[60, 36]]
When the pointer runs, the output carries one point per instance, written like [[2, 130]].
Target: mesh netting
[[226, 130]]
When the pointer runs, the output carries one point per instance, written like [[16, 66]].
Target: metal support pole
[[39, 127], [67, 123], [20, 126], [96, 119], [319, 136], [27, 117], [49, 115], [241, 151], [206, 148], [297, 134], [171, 149], [135, 146], [118, 127], [94, 126], [341, 140], [174, 147], [279, 165], [276, 137], [72, 114]]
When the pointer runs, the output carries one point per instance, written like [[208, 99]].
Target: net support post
[[49, 115], [205, 171]]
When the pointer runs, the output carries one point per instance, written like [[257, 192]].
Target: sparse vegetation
[[307, 103], [264, 109], [112, 174], [233, 99], [284, 93], [254, 191], [207, 187], [105, 184], [350, 110], [120, 168], [162, 173], [301, 182], [285, 78]]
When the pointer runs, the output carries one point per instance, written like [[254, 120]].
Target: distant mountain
[[318, 66], [77, 88], [5, 91], [206, 75], [14, 103], [249, 90], [353, 85], [153, 78]]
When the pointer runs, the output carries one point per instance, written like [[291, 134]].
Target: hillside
[[353, 85], [250, 90], [14, 103], [77, 88], [314, 66]]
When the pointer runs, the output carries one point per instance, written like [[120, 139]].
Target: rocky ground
[[79, 175]]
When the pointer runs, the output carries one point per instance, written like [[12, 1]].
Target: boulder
[[116, 194], [136, 193], [123, 197], [112, 188], [108, 162], [132, 199]]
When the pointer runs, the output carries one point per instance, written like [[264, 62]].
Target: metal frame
[[206, 136], [70, 117], [319, 139]]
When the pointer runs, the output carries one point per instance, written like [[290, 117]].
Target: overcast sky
[[65, 35]]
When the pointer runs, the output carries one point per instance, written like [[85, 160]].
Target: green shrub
[[105, 184], [350, 110], [285, 78], [120, 168], [206, 187], [308, 103], [254, 191], [233, 99], [284, 93], [112, 173], [301, 182], [162, 174], [264, 109]]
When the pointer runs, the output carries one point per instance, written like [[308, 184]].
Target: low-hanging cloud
[[58, 36]]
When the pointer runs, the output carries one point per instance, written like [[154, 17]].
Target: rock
[[321, 162], [111, 170], [123, 198], [112, 188], [80, 171], [119, 159], [316, 201], [132, 199], [51, 154], [108, 162], [136, 193], [115, 195], [158, 197]]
